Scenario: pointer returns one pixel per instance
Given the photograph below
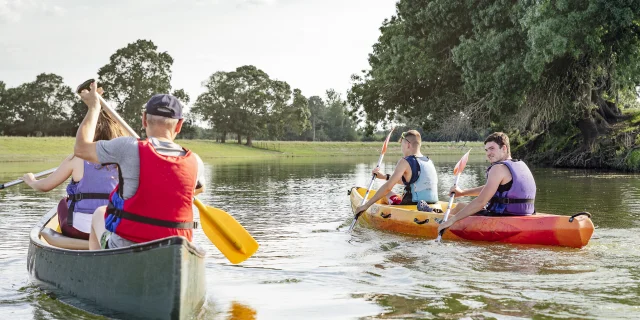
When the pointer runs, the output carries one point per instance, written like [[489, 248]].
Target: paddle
[[18, 181], [373, 178], [457, 170], [227, 234]]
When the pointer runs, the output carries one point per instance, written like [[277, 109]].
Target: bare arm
[[496, 175], [474, 192], [395, 178], [53, 180], [85, 147]]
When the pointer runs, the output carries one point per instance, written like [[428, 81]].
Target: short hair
[[155, 120], [411, 133], [500, 138]]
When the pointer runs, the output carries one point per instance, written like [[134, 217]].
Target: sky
[[313, 45]]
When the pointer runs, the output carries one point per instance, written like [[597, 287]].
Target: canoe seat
[[61, 241]]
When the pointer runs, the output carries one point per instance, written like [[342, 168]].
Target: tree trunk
[[314, 129], [589, 130], [239, 139], [249, 141], [223, 137]]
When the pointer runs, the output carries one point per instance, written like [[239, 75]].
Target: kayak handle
[[580, 214], [421, 222], [385, 216]]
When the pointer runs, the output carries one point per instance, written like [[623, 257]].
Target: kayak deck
[[161, 279], [540, 228]]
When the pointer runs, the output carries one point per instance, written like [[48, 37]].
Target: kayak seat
[[59, 240]]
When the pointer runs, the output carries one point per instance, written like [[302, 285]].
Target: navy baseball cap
[[164, 105]]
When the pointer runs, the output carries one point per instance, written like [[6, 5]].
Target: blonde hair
[[413, 133]]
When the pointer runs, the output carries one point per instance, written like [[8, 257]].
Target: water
[[308, 267]]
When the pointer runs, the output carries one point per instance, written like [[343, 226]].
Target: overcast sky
[[314, 45]]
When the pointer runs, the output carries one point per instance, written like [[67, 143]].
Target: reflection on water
[[308, 267]]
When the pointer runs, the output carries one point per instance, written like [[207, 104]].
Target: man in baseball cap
[[158, 178]]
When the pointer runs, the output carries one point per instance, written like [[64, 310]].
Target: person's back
[[90, 184], [158, 178], [424, 179], [154, 197], [84, 196]]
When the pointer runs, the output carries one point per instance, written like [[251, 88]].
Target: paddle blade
[[461, 164], [227, 234], [386, 141]]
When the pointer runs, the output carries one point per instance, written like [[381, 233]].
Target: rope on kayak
[[584, 213]]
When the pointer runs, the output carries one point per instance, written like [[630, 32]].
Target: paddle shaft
[[446, 214], [18, 181], [373, 178]]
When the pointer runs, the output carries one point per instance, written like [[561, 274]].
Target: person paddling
[[90, 184], [510, 189], [414, 170], [158, 178]]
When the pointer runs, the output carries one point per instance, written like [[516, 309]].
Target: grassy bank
[[20, 149]]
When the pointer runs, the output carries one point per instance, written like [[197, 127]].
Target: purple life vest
[[519, 199], [92, 191]]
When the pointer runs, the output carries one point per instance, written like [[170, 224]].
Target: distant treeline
[[244, 104]]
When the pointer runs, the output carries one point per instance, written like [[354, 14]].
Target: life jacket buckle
[[195, 224]]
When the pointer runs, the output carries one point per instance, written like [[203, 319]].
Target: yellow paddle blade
[[227, 234]]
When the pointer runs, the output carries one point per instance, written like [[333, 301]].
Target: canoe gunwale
[[34, 236]]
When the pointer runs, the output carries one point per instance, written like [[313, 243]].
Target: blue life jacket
[[423, 184]]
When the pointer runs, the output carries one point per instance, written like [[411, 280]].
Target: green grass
[[23, 149]]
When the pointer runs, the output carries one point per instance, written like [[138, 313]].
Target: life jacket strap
[[510, 201], [79, 196], [154, 222]]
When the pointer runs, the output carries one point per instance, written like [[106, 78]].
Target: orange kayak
[[541, 228]]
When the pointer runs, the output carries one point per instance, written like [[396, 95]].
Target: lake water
[[309, 267]]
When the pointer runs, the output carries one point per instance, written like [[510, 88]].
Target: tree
[[527, 66], [288, 117], [317, 111], [247, 102], [6, 114], [39, 108], [337, 118], [134, 74]]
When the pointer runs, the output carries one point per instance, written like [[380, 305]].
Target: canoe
[[161, 279], [540, 228]]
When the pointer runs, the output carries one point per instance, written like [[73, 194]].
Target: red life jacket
[[161, 207]]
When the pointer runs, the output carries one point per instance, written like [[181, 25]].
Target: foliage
[[505, 65], [134, 74]]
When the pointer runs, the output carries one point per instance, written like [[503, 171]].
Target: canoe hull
[[162, 279], [541, 229]]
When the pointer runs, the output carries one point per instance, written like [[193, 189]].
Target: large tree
[[247, 102], [135, 73], [39, 108], [526, 65]]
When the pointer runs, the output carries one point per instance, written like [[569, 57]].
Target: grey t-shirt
[[124, 152]]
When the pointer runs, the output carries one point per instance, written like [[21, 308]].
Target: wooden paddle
[[373, 178], [18, 181], [227, 234], [457, 170]]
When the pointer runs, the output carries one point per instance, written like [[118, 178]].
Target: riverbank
[[30, 149], [618, 148]]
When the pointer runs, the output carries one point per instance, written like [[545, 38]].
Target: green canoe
[[161, 279]]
